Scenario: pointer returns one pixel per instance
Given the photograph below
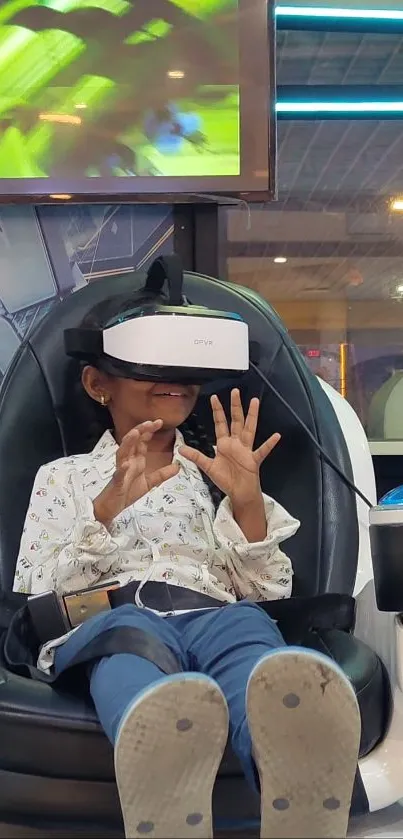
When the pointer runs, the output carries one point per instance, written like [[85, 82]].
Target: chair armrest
[[368, 677]]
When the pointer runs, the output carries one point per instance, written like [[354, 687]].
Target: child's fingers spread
[[237, 415], [161, 475], [134, 467], [149, 426], [249, 431], [198, 458], [128, 446], [220, 420], [266, 448], [142, 447], [148, 429]]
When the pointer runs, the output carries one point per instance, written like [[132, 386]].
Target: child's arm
[[251, 518], [258, 569], [63, 548]]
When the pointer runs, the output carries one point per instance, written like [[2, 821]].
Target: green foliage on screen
[[93, 88]]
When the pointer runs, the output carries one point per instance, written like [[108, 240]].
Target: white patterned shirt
[[172, 535]]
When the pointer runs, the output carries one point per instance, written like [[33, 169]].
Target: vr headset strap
[[169, 269]]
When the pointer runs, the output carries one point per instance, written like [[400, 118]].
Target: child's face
[[131, 402]]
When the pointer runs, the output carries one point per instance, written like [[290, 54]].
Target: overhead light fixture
[[176, 74], [280, 260], [397, 205], [399, 288], [333, 12], [325, 107], [60, 196]]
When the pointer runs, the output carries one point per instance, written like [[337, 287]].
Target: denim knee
[[251, 615]]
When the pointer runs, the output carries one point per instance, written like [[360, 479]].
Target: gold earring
[[103, 401]]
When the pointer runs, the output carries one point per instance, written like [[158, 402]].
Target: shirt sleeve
[[63, 547], [258, 570]]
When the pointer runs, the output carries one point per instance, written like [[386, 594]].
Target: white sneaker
[[167, 755], [305, 727]]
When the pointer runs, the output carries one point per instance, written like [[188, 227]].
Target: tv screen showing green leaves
[[134, 97]]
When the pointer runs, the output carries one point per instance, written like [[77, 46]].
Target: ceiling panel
[[339, 58], [342, 162]]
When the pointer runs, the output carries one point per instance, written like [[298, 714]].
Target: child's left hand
[[235, 468]]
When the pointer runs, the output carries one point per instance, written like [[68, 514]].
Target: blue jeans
[[223, 643]]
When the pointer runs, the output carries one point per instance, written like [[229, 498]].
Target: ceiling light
[[399, 289], [332, 12], [397, 205], [369, 107], [60, 196], [280, 260], [176, 74]]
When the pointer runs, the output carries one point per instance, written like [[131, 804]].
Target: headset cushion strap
[[167, 268]]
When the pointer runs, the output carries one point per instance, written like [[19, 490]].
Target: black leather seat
[[56, 766]]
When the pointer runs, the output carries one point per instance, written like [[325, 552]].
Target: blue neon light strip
[[372, 107], [339, 107], [333, 12]]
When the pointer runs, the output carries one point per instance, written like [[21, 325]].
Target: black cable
[[312, 438]]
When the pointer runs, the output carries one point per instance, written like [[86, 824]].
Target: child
[[154, 505]]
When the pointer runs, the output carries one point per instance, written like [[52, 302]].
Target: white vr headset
[[172, 343]]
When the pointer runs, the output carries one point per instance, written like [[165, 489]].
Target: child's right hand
[[130, 481]]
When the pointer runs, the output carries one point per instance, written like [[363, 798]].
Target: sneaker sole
[[305, 727], [167, 755]]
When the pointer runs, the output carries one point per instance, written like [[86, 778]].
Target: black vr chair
[[56, 765]]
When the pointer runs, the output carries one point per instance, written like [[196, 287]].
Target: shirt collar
[[104, 454]]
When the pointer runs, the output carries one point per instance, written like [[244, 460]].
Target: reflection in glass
[[329, 255]]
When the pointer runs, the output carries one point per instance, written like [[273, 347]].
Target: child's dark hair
[[95, 419]]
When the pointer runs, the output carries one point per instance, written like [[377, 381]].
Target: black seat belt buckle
[[48, 615]]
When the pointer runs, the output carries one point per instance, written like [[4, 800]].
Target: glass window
[[329, 257]]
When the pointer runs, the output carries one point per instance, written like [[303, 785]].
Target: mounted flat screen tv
[[128, 99]]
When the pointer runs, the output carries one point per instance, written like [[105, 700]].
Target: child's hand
[[235, 468], [130, 481]]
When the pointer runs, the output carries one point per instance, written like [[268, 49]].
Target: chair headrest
[[37, 425]]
